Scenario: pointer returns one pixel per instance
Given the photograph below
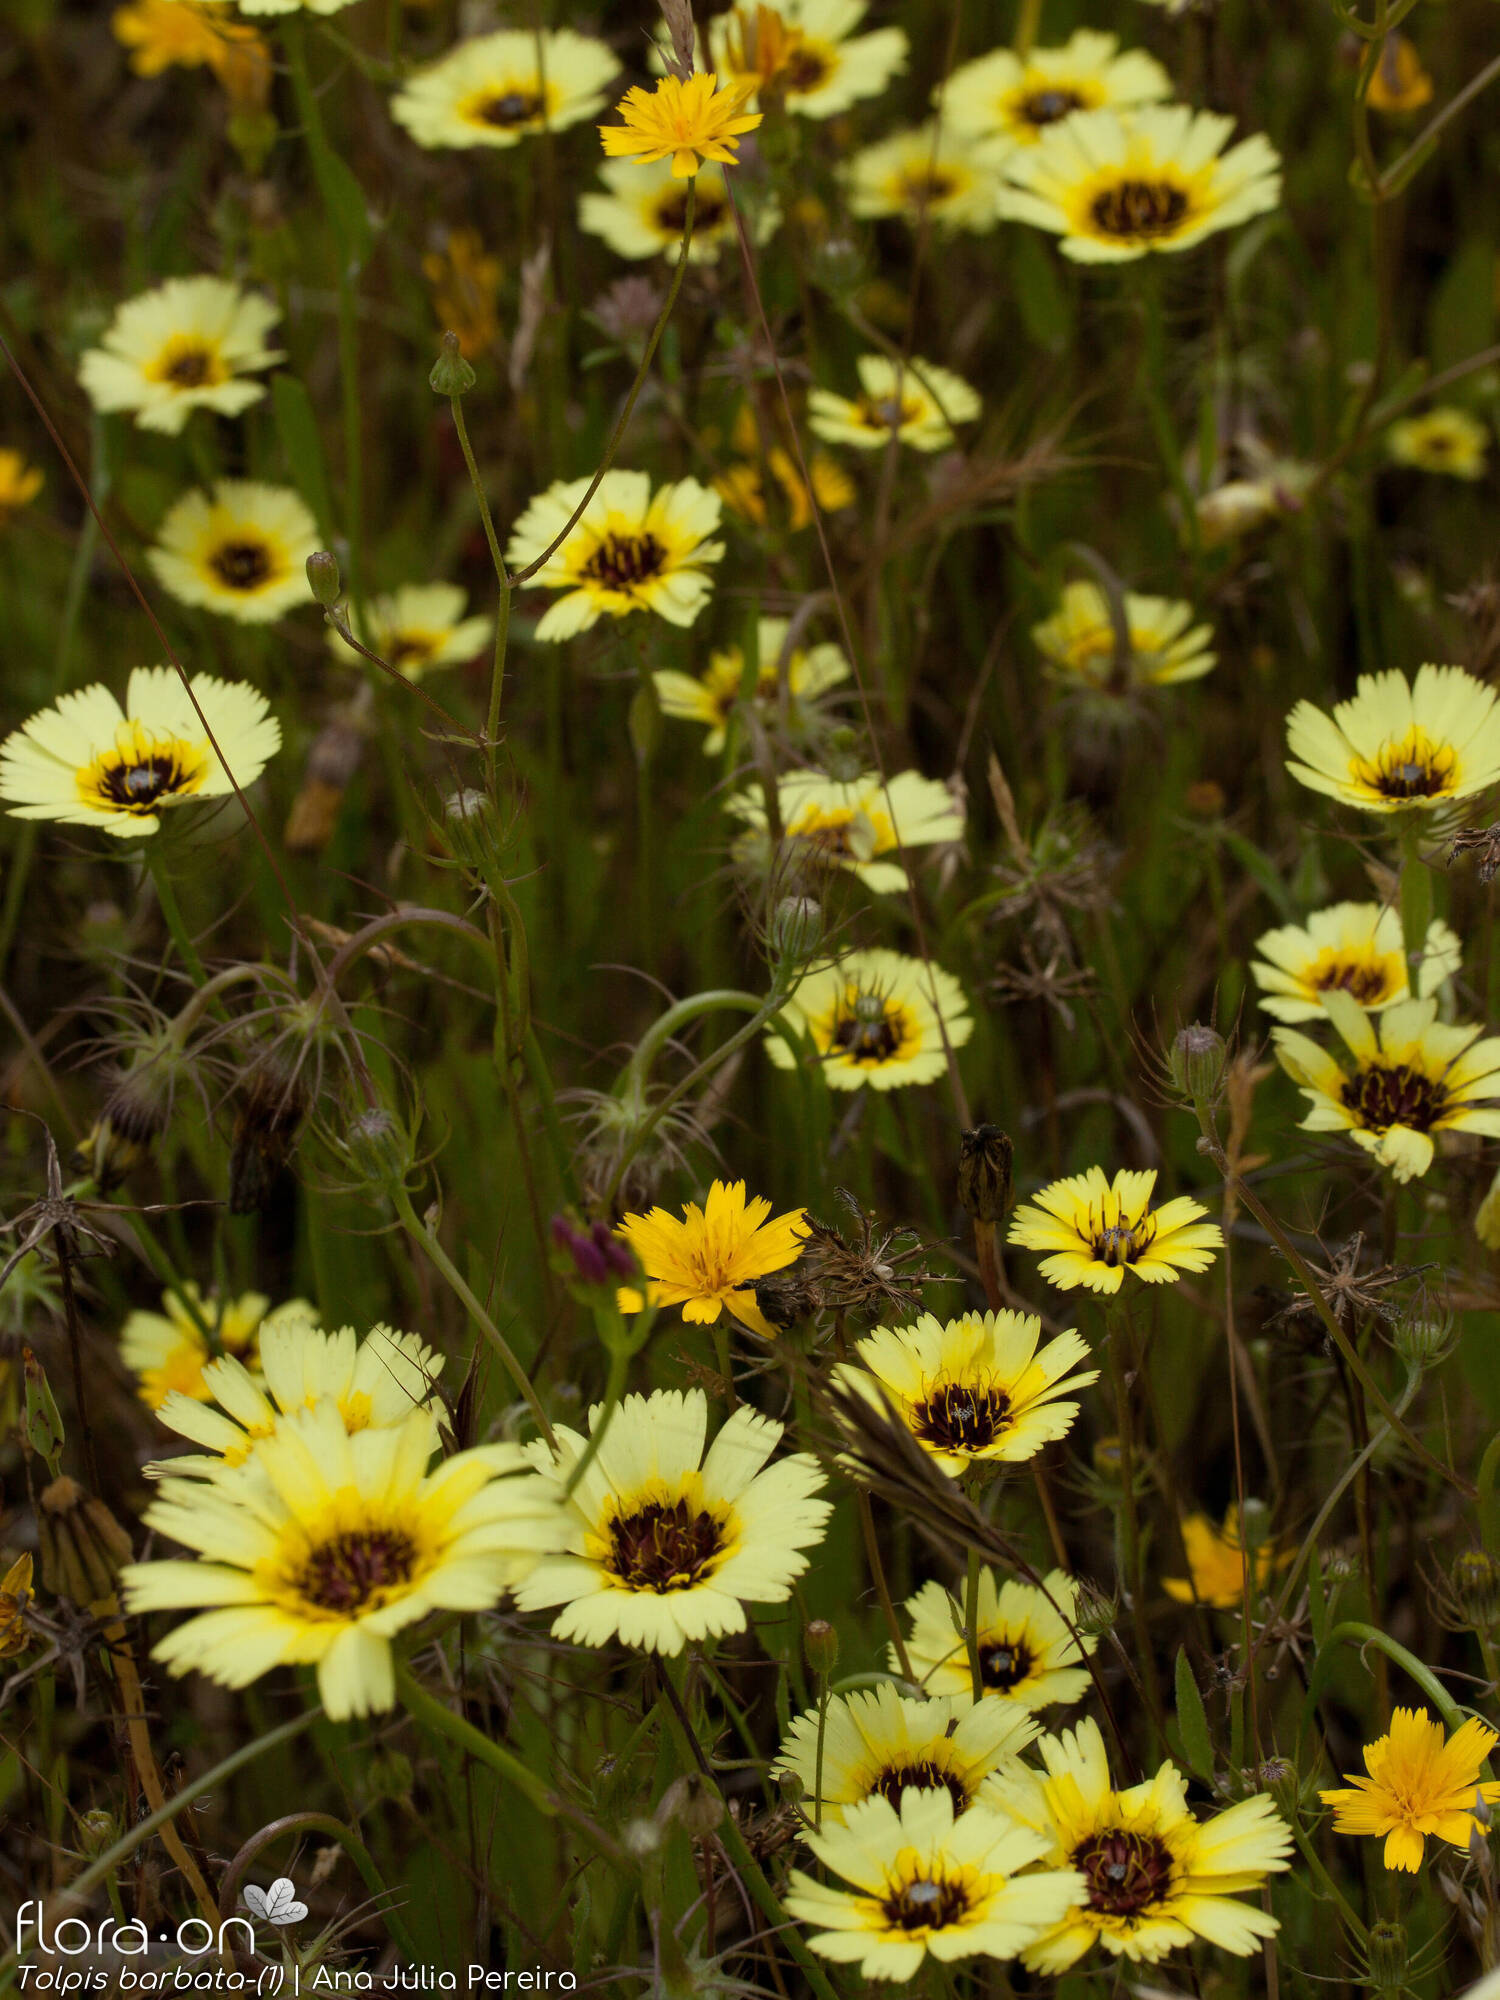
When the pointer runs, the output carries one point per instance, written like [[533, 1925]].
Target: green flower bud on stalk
[[451, 374], [379, 1148], [97, 1830], [1095, 1610], [1197, 1061], [1425, 1340], [820, 1642], [1476, 1588], [796, 927], [323, 578], [1388, 1957]]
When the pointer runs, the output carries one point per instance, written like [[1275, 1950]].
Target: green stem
[[353, 1846], [502, 608], [971, 1624], [1153, 382], [1416, 896], [1327, 1884], [440, 1720], [618, 433], [1249, 1199], [436, 1255], [167, 899], [733, 1842], [75, 1893]]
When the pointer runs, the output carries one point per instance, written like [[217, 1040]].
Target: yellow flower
[[686, 123], [1028, 1658], [418, 627], [975, 1392], [878, 1743], [710, 699], [1487, 1216], [1098, 1230], [1114, 189], [915, 401], [324, 1546], [926, 171], [89, 762], [925, 1882], [187, 344], [709, 1261], [666, 1545], [169, 1350], [181, 34], [834, 823], [876, 1018], [1399, 82], [1398, 745], [1002, 95], [806, 53], [374, 1383], [1154, 1877], [1418, 1784], [1352, 947], [1163, 645], [241, 551], [632, 550], [20, 483], [465, 281], [644, 212], [1444, 439], [1413, 1075], [15, 1597], [743, 493], [1217, 1564], [495, 89]]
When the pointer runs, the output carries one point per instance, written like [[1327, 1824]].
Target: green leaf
[[1192, 1720], [344, 199], [1046, 308], [1259, 869], [297, 428]]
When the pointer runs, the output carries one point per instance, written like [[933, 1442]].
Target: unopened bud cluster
[[596, 1255]]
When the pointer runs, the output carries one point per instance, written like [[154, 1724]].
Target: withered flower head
[[627, 310], [787, 1297], [1055, 984], [267, 1119], [1351, 1292], [82, 1545], [1483, 842], [15, 1596], [870, 1272], [984, 1173]]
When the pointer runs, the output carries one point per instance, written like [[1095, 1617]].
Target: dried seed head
[[269, 1116], [789, 1296], [984, 1173], [678, 15], [82, 1545]]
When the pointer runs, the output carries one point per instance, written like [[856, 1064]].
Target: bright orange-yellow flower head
[[686, 123]]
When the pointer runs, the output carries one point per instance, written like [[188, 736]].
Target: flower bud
[[1278, 1776], [843, 755], [451, 374], [678, 15], [796, 927], [984, 1173], [1108, 1459], [379, 1148], [1094, 1609], [1388, 1957], [386, 1775], [820, 1642], [473, 830], [323, 578], [594, 1256], [82, 1544], [1340, 1566], [1253, 1525], [1423, 1340], [97, 1830], [1197, 1062], [1476, 1587]]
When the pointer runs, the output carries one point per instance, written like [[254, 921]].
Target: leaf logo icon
[[276, 1905]]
